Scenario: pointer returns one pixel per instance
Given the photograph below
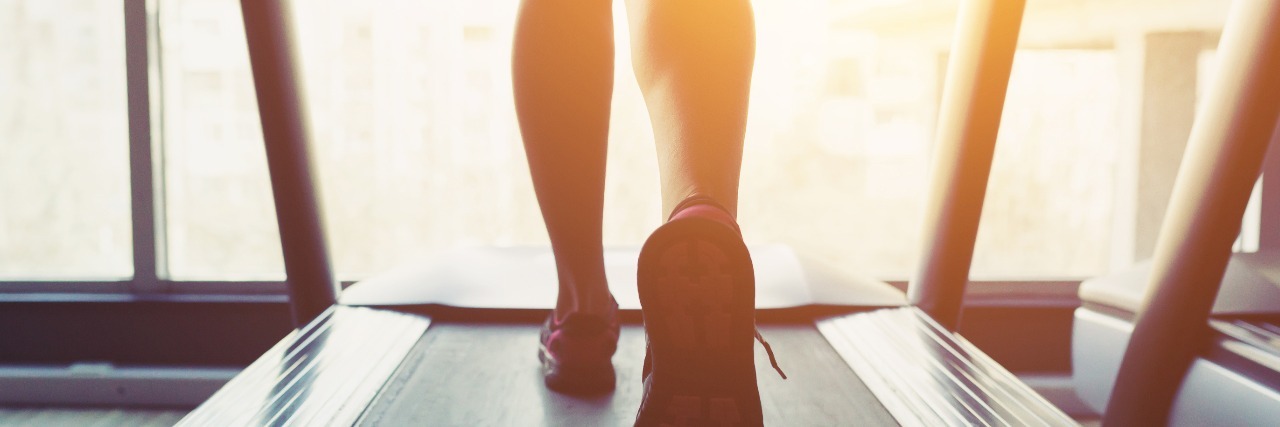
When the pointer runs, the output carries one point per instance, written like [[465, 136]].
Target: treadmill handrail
[[1223, 158], [986, 38], [286, 134]]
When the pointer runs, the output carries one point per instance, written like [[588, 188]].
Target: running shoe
[[577, 353], [697, 294]]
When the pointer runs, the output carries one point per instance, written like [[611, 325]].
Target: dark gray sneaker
[[697, 293], [577, 353]]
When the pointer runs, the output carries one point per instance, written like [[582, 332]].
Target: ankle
[[704, 207], [591, 302]]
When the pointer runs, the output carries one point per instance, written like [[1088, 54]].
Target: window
[[418, 150], [1050, 196], [216, 189], [64, 171]]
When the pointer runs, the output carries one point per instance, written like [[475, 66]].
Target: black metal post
[[973, 98], [146, 184], [1223, 157], [285, 131]]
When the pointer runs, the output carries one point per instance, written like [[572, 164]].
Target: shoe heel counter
[[576, 348]]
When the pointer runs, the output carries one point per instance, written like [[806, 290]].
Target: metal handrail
[[282, 109], [981, 59]]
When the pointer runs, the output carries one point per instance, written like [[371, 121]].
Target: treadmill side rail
[[927, 376], [323, 374]]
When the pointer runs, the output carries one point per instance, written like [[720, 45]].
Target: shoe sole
[[697, 293]]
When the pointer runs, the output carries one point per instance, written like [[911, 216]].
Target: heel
[[697, 293]]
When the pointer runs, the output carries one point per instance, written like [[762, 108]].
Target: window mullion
[[146, 194]]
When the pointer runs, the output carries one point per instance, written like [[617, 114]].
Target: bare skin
[[693, 62]]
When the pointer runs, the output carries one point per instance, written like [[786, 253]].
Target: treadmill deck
[[369, 366], [462, 374]]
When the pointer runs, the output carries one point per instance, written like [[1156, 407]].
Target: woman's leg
[[693, 60], [563, 80]]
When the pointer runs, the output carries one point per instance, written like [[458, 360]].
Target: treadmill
[[413, 348]]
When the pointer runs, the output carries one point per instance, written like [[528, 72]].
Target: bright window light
[[418, 149], [64, 147]]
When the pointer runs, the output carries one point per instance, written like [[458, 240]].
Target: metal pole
[[973, 99], [1221, 164], [145, 160], [282, 109]]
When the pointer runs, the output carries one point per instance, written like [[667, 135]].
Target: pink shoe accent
[[704, 207]]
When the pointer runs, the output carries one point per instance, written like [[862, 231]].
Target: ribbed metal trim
[[1257, 341], [324, 374], [1263, 335], [926, 376]]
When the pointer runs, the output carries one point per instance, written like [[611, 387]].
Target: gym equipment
[[417, 362]]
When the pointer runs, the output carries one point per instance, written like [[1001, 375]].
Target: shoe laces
[[767, 349]]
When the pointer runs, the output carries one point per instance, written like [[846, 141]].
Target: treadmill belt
[[468, 374]]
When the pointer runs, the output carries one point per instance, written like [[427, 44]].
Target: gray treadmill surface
[[370, 366], [487, 373], [464, 374], [453, 341]]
